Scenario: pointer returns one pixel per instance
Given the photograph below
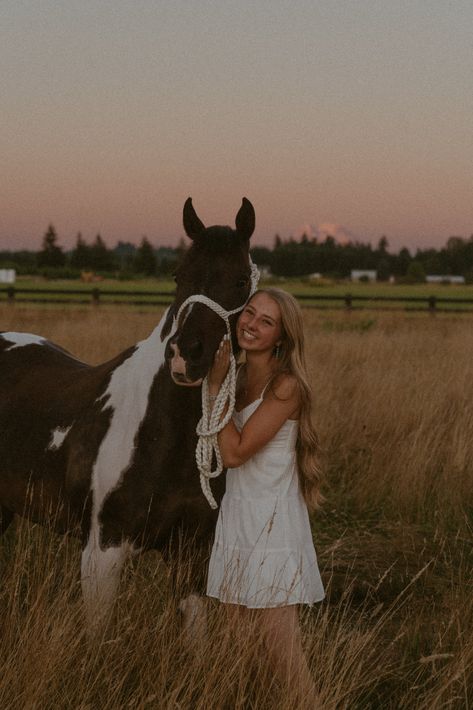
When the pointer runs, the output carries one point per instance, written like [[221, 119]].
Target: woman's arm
[[282, 403], [237, 447]]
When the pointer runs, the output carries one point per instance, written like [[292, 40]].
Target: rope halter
[[211, 422]]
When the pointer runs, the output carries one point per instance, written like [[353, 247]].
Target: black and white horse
[[108, 452]]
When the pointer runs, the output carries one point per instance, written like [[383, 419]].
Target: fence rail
[[348, 301]]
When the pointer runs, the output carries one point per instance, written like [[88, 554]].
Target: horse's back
[[26, 350], [46, 393]]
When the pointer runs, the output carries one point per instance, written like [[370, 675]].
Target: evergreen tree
[[51, 254], [101, 259], [145, 259], [81, 256], [261, 256]]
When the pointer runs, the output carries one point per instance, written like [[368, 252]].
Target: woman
[[263, 562]]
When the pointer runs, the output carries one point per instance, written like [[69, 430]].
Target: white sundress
[[263, 554]]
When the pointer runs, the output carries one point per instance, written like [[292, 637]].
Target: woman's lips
[[247, 335]]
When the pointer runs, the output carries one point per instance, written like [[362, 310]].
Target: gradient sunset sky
[[356, 114]]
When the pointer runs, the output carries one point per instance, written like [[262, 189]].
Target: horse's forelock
[[218, 240]]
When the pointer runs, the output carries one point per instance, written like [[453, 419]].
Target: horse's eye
[[242, 282]]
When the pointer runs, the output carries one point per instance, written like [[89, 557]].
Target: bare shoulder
[[285, 387]]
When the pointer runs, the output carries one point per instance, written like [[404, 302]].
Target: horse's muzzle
[[178, 369]]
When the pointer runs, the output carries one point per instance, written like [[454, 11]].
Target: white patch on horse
[[194, 620], [22, 339], [127, 395], [58, 436]]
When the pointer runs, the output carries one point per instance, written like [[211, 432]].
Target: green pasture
[[154, 291]]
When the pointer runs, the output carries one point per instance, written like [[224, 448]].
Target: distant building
[[364, 275], [446, 279], [7, 276], [315, 277]]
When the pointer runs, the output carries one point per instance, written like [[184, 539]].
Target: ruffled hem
[[266, 606], [265, 579]]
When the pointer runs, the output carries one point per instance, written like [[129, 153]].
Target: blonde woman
[[263, 562]]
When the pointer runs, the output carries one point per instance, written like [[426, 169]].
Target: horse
[[107, 452]]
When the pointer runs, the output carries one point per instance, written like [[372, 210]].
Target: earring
[[277, 351]]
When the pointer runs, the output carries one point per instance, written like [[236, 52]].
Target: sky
[[356, 114]]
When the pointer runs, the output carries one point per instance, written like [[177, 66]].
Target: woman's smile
[[247, 335], [259, 324]]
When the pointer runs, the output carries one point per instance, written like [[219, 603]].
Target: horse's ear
[[245, 219], [192, 224]]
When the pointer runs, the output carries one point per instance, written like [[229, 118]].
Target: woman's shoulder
[[284, 386]]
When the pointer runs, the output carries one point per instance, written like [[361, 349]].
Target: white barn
[[7, 276], [365, 274], [448, 278]]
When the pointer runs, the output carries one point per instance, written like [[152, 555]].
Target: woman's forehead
[[266, 305]]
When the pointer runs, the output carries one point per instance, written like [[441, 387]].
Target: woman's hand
[[220, 366]]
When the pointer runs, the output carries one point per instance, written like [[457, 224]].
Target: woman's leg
[[279, 630], [282, 637]]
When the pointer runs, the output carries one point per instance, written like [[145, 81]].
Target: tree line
[[287, 258]]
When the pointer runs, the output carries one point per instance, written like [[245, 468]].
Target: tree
[[101, 259], [261, 256], [124, 254], [51, 254], [383, 244], [415, 272], [81, 257], [382, 268], [145, 259]]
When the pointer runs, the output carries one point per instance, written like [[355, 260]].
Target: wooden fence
[[348, 301]]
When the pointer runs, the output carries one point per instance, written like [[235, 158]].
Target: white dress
[[263, 554]]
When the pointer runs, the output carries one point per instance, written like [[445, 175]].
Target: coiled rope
[[211, 423]]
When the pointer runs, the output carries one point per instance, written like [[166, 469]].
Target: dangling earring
[[277, 351]]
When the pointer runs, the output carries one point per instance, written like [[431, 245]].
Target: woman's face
[[259, 325]]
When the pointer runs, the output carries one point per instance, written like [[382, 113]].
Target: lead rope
[[210, 423]]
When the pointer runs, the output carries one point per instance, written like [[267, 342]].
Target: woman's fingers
[[221, 363], [223, 350]]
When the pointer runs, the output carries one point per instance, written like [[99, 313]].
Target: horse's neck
[[131, 382]]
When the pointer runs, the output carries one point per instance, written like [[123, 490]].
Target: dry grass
[[394, 405]]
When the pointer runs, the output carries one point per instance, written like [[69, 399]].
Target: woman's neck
[[259, 367]]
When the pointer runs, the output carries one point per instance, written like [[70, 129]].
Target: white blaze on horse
[[108, 452]]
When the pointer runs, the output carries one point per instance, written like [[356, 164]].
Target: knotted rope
[[210, 423]]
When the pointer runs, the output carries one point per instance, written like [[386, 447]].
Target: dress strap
[[266, 387], [238, 370]]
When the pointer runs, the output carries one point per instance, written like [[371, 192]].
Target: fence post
[[11, 294], [432, 304], [96, 296], [348, 298]]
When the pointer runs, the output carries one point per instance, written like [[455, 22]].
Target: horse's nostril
[[195, 350]]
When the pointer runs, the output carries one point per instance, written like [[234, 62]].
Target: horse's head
[[217, 265]]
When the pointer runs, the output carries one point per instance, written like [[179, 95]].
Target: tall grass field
[[394, 411]]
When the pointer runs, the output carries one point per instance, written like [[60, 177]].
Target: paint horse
[[108, 452]]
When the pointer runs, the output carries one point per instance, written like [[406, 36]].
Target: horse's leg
[[194, 620], [188, 564], [100, 576], [6, 516]]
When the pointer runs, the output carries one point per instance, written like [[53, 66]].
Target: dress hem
[[265, 606]]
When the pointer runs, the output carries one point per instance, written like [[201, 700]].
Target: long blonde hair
[[291, 359]]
